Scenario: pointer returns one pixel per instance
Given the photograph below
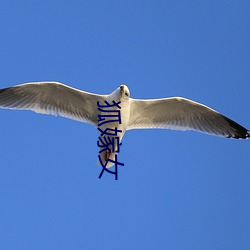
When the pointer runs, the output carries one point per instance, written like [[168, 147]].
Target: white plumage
[[167, 113]]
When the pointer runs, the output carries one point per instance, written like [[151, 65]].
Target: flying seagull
[[167, 113]]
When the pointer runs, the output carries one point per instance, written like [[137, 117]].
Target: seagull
[[176, 113]]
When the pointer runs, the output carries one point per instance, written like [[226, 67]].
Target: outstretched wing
[[52, 98], [182, 114]]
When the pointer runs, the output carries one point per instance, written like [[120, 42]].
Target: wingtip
[[239, 131], [3, 90], [248, 134], [240, 136]]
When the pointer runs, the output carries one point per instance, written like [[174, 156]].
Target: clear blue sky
[[177, 190]]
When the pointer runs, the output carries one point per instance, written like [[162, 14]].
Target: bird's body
[[167, 113], [124, 110]]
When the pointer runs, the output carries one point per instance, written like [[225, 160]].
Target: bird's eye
[[126, 93]]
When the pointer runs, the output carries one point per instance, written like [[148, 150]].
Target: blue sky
[[177, 190]]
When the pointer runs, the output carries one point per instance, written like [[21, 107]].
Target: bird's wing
[[52, 98], [182, 114]]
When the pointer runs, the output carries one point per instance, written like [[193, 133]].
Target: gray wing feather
[[52, 98], [182, 114]]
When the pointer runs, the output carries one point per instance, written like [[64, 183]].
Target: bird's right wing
[[53, 98], [182, 114]]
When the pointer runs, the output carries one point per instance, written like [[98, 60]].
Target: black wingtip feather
[[239, 131], [3, 90]]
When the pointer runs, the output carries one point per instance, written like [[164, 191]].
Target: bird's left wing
[[52, 98], [182, 114]]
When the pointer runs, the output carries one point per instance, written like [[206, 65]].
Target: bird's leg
[[107, 155]]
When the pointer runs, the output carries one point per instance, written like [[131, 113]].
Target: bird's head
[[124, 91], [120, 94]]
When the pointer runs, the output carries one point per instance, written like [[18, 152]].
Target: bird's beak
[[122, 88]]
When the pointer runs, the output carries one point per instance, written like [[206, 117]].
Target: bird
[[175, 113]]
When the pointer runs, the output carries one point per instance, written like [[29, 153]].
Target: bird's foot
[[107, 155]]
